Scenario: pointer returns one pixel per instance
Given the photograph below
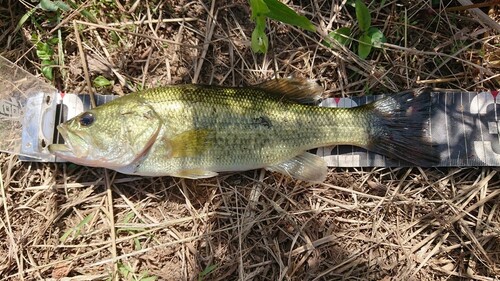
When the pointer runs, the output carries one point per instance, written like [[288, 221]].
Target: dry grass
[[64, 222]]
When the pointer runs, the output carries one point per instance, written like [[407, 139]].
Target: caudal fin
[[401, 128]]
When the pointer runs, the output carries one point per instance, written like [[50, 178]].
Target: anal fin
[[306, 167], [194, 174]]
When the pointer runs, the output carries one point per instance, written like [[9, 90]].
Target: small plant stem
[[472, 6]]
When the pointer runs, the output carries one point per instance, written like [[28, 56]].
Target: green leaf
[[128, 217], [259, 9], [76, 229], [137, 244], [351, 3], [259, 41], [281, 12], [363, 16], [53, 41], [341, 35], [65, 236], [377, 37], [62, 6], [124, 269], [101, 81], [84, 12], [83, 223], [34, 38], [48, 5], [365, 45], [42, 55], [24, 18], [116, 38], [207, 271], [44, 51]]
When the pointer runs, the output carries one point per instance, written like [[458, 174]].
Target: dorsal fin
[[298, 89]]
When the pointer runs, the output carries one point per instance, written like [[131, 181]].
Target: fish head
[[111, 136]]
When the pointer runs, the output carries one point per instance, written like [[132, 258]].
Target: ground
[[67, 222]]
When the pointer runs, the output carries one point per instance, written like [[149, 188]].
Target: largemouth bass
[[195, 131]]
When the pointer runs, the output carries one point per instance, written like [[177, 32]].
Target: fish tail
[[400, 128]]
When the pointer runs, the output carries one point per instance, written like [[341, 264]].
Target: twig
[[471, 6], [139, 22], [208, 37], [84, 64], [111, 217], [8, 230], [481, 16]]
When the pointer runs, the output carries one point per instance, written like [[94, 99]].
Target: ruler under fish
[[464, 126]]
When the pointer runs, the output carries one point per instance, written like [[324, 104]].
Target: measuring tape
[[463, 125]]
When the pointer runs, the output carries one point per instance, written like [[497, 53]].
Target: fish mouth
[[74, 145]]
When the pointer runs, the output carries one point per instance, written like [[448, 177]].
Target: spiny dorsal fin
[[298, 89], [306, 167]]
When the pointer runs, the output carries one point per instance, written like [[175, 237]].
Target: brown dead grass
[[63, 222]]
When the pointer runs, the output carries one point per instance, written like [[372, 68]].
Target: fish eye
[[86, 119]]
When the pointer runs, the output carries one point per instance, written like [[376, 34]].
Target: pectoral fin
[[306, 167], [190, 143], [194, 174]]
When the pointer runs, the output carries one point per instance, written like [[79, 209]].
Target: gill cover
[[110, 136]]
